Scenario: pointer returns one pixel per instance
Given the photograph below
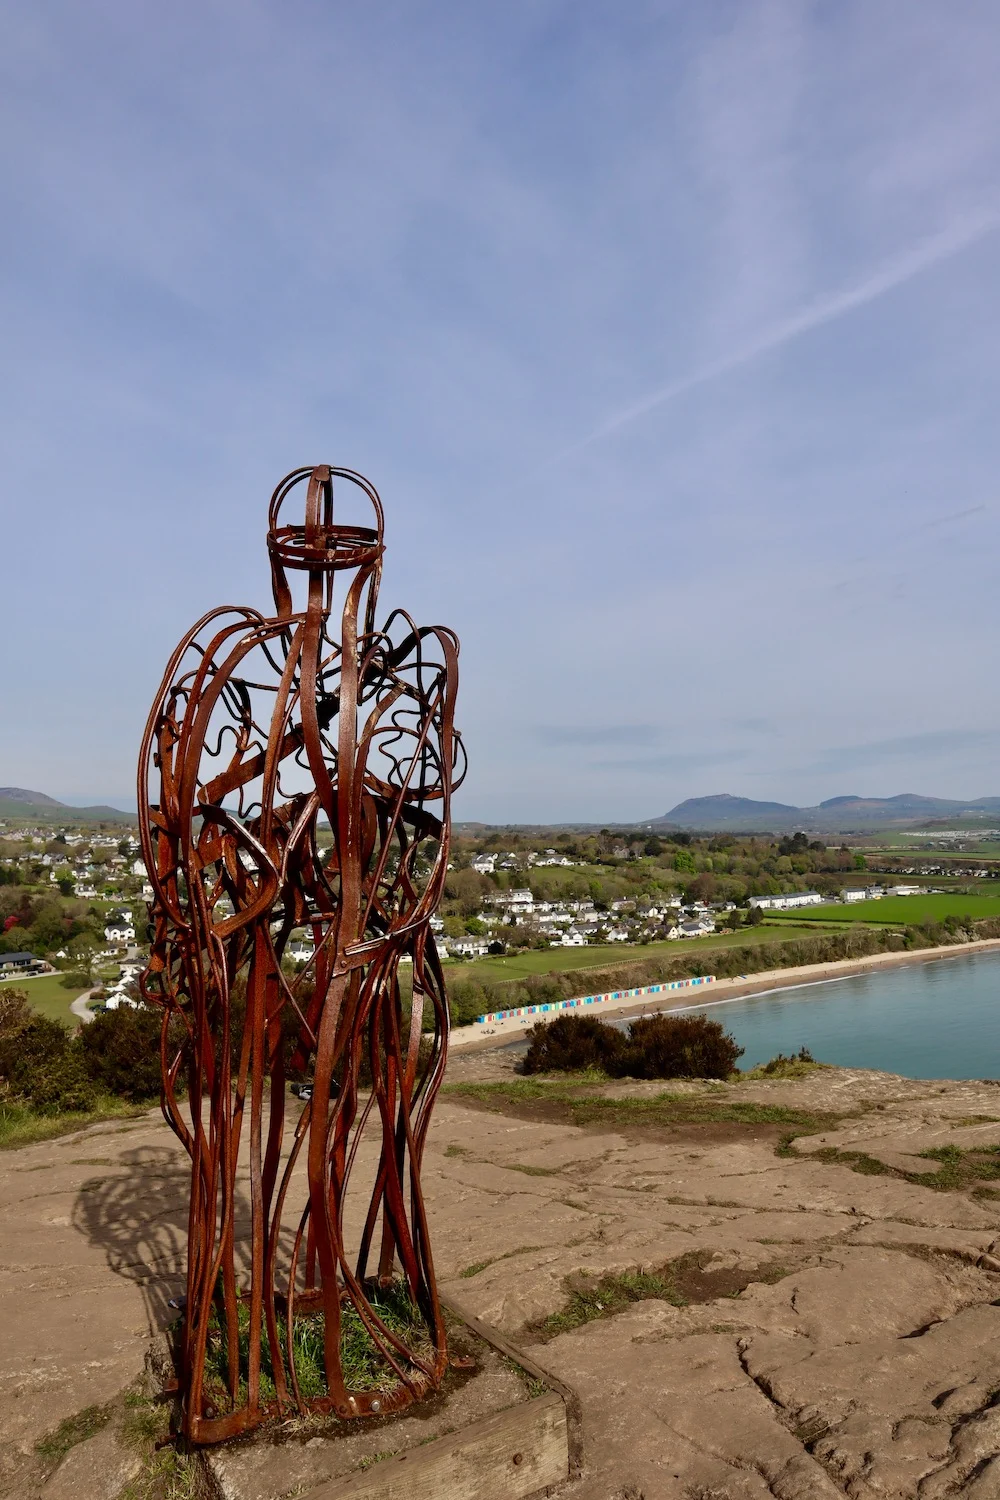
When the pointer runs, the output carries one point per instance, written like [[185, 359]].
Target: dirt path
[[80, 1007], [839, 1331]]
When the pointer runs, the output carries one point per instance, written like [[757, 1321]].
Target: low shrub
[[121, 1051], [62, 1087], [570, 1043], [799, 1065], [675, 1047], [15, 1010], [40, 1062], [653, 1047]]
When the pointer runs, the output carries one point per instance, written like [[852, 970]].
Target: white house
[[139, 867], [470, 947], [484, 863], [903, 890], [699, 928], [118, 998], [788, 900], [571, 940], [855, 894], [513, 901], [119, 931]]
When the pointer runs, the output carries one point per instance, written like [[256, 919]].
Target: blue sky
[[668, 333]]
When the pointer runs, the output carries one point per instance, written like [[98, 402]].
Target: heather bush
[[675, 1047], [569, 1043], [653, 1047]]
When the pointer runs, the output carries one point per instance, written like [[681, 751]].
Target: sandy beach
[[490, 1035]]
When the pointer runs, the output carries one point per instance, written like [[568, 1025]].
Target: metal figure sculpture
[[262, 727]]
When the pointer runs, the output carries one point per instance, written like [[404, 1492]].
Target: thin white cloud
[[930, 252]]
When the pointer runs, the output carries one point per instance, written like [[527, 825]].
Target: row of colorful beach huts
[[636, 994]]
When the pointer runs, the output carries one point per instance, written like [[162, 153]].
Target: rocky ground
[[758, 1289]]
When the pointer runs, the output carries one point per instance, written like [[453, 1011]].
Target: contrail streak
[[928, 253]]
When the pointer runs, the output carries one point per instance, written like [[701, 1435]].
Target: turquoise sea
[[939, 1018]]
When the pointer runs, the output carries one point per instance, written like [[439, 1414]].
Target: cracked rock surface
[[831, 1326], [861, 1358]]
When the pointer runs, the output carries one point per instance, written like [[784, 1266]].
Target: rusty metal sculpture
[[261, 727]]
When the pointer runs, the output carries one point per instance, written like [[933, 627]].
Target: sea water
[[938, 1018]]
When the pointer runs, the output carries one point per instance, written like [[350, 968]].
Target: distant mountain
[[17, 802], [725, 811], [836, 815], [20, 794]]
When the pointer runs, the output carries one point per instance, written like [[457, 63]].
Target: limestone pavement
[[839, 1333]]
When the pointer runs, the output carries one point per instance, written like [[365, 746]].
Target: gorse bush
[[653, 1047], [54, 1071], [121, 1052], [40, 1062]]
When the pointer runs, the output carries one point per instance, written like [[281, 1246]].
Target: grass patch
[[958, 1168], [688, 1280], [962, 1168], [528, 1171], [510, 1090], [49, 996], [53, 1446], [480, 1265], [166, 1474], [579, 1104], [376, 1458], [906, 911], [456, 1151], [532, 1384], [799, 1065], [559, 960], [145, 1421], [685, 1109], [602, 1299], [21, 1126], [362, 1363]]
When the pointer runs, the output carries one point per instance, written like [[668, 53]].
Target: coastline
[[497, 1033]]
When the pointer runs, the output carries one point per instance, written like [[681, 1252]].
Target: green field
[[548, 960], [903, 911], [49, 996]]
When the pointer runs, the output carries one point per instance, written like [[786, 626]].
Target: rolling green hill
[[19, 804]]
